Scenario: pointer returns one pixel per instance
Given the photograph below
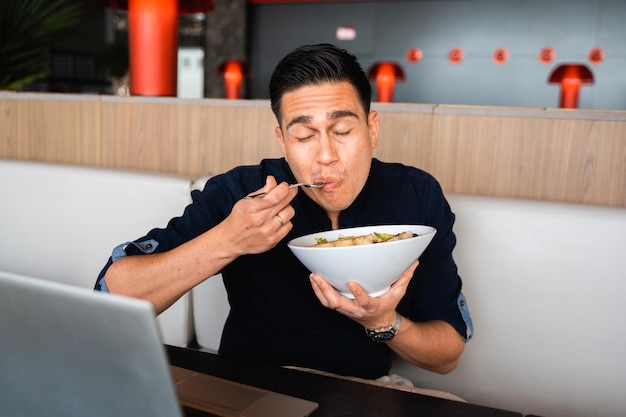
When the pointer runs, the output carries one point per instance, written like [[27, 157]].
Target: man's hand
[[253, 226], [257, 225], [370, 312], [433, 345]]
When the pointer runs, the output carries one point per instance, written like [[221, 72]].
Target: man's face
[[326, 136]]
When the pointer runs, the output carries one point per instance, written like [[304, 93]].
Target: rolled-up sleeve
[[119, 252]]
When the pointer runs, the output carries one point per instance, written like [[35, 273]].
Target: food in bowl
[[367, 239], [374, 266]]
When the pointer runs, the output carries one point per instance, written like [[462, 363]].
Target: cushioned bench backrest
[[545, 284], [210, 304], [61, 223]]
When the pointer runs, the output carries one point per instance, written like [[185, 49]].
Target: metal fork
[[300, 184]]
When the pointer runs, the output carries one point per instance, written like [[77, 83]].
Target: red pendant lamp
[[570, 77], [385, 74], [153, 41], [233, 72]]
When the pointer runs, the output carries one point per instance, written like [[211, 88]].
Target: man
[[281, 313]]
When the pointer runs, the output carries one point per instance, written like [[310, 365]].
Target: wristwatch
[[386, 333]]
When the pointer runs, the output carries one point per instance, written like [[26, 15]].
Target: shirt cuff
[[465, 313]]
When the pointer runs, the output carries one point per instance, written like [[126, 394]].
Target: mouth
[[327, 184]]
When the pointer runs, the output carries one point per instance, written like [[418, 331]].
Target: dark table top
[[336, 397]]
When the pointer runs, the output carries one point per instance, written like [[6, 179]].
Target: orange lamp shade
[[570, 77], [455, 55], [153, 41], [184, 6], [596, 55], [385, 74], [233, 72], [414, 55], [153, 45], [500, 55], [546, 55]]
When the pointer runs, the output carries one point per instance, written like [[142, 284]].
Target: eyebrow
[[298, 120], [337, 114]]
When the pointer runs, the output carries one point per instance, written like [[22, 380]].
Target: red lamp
[[233, 72], [414, 55], [153, 41], [455, 55], [571, 77], [184, 6], [500, 55], [546, 55], [596, 55], [385, 74]]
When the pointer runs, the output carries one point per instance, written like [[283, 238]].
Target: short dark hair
[[316, 64]]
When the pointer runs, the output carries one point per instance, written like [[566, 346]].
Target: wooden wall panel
[[537, 154], [571, 156], [405, 134], [189, 137], [56, 128], [603, 161], [238, 134], [139, 134], [8, 128]]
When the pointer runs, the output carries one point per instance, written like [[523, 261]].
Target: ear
[[281, 141], [372, 124]]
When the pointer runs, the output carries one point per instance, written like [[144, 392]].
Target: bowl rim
[[432, 231]]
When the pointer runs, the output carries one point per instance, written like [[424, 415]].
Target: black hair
[[316, 64]]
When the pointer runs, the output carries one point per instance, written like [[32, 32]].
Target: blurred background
[[474, 52]]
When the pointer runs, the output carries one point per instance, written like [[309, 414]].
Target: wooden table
[[336, 397]]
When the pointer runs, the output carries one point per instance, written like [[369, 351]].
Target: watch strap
[[385, 334]]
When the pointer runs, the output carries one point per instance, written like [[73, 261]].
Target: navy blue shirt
[[275, 315]]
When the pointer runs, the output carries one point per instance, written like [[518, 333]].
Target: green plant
[[114, 58], [27, 29]]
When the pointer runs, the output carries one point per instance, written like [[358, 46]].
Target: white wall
[[387, 29]]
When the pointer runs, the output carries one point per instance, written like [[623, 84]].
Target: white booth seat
[[209, 304], [545, 284], [210, 310], [61, 222], [544, 280]]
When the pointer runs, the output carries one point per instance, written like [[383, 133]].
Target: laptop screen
[[67, 351]]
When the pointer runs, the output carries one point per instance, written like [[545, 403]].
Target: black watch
[[387, 333]]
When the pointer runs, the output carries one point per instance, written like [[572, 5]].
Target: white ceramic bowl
[[374, 266]]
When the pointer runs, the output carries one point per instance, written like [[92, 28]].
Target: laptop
[[66, 350]]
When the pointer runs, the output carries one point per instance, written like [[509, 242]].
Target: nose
[[327, 150]]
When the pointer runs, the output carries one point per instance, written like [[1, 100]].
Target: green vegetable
[[384, 236]]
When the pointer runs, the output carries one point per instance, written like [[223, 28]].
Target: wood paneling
[[189, 137], [536, 154], [571, 156], [59, 128], [405, 134]]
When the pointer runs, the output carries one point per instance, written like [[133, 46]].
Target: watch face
[[382, 337], [385, 335]]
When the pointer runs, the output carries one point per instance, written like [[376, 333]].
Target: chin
[[332, 204]]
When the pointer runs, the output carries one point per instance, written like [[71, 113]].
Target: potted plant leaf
[[114, 58], [27, 31]]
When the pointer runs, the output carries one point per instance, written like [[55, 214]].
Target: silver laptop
[[68, 351]]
